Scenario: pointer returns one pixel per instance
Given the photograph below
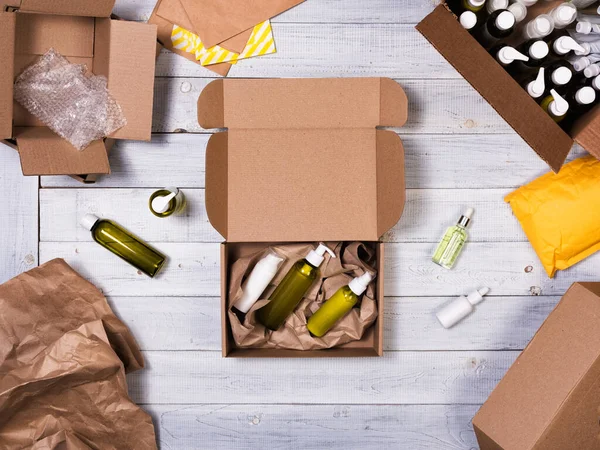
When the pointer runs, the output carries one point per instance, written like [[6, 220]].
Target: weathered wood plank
[[427, 214], [194, 323], [432, 162], [335, 427], [316, 11], [397, 378], [193, 270], [19, 217]]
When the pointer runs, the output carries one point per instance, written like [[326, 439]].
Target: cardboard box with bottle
[[303, 161], [83, 32], [442, 29]]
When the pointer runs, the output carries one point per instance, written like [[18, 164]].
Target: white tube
[[588, 18], [263, 273]]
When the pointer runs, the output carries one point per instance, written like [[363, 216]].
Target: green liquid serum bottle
[[289, 293], [166, 202], [125, 245], [338, 305], [453, 241]]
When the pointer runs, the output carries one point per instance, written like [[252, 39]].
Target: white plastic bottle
[[507, 55], [495, 5], [563, 15], [263, 273], [592, 71], [460, 308], [587, 28], [537, 87], [539, 27], [519, 10]]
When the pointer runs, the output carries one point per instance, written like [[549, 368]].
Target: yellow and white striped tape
[[261, 42]]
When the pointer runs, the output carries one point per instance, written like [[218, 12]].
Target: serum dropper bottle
[[453, 241]]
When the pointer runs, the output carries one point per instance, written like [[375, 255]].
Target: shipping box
[[505, 95], [82, 31], [550, 397], [303, 161]]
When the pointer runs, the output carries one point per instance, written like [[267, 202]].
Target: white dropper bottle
[[460, 308], [537, 87]]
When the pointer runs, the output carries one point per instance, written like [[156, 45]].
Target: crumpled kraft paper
[[63, 357], [351, 260]]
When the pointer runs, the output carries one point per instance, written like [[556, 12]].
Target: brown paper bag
[[63, 357]]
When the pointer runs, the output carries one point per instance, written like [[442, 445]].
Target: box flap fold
[[90, 8]]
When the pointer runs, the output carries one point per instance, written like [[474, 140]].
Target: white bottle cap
[[476, 3], [359, 284], [527, 2], [561, 76], [539, 50], [460, 308], [507, 55], [316, 257], [494, 5], [585, 96], [161, 204], [559, 106], [537, 87], [563, 15], [592, 71], [539, 27], [88, 221], [583, 27], [469, 213], [586, 49], [468, 20], [580, 63], [505, 20], [565, 44], [596, 83], [519, 10]]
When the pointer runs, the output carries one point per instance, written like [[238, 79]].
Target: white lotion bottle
[[460, 308], [263, 273]]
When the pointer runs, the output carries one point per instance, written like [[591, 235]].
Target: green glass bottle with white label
[[453, 241]]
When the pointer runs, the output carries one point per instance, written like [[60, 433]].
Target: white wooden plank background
[[423, 393]]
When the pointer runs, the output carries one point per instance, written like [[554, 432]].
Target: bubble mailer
[[76, 106]]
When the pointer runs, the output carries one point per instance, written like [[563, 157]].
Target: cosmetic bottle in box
[[303, 160], [442, 29]]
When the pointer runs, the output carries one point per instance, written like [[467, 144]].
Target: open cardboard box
[[507, 97], [550, 397], [303, 161], [82, 31]]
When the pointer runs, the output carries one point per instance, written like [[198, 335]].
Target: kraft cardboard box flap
[[586, 132], [45, 153], [504, 94], [90, 8], [7, 52], [550, 396], [263, 182], [124, 53]]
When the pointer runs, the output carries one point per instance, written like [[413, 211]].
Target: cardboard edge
[[211, 105], [379, 335], [585, 132], [391, 184], [225, 347], [442, 15], [216, 188], [89, 8], [393, 100], [7, 55]]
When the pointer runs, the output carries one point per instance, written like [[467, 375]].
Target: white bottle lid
[[559, 106], [583, 27], [586, 49], [565, 44], [539, 27], [561, 76], [476, 3], [527, 2], [88, 221], [359, 284], [161, 204], [519, 10], [507, 55], [592, 71], [494, 5], [563, 15], [585, 96], [505, 20], [537, 87], [468, 20], [460, 308], [539, 50], [596, 83], [580, 63], [316, 257]]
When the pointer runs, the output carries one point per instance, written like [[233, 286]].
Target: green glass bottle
[[453, 241], [124, 244], [338, 305], [289, 293]]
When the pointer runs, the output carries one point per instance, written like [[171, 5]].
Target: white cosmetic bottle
[[460, 308], [263, 273]]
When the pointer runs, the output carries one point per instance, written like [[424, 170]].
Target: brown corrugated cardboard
[[303, 161], [503, 93], [550, 397], [81, 31]]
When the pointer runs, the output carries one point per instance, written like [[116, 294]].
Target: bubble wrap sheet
[[76, 106]]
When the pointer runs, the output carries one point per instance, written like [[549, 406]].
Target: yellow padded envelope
[[560, 214]]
